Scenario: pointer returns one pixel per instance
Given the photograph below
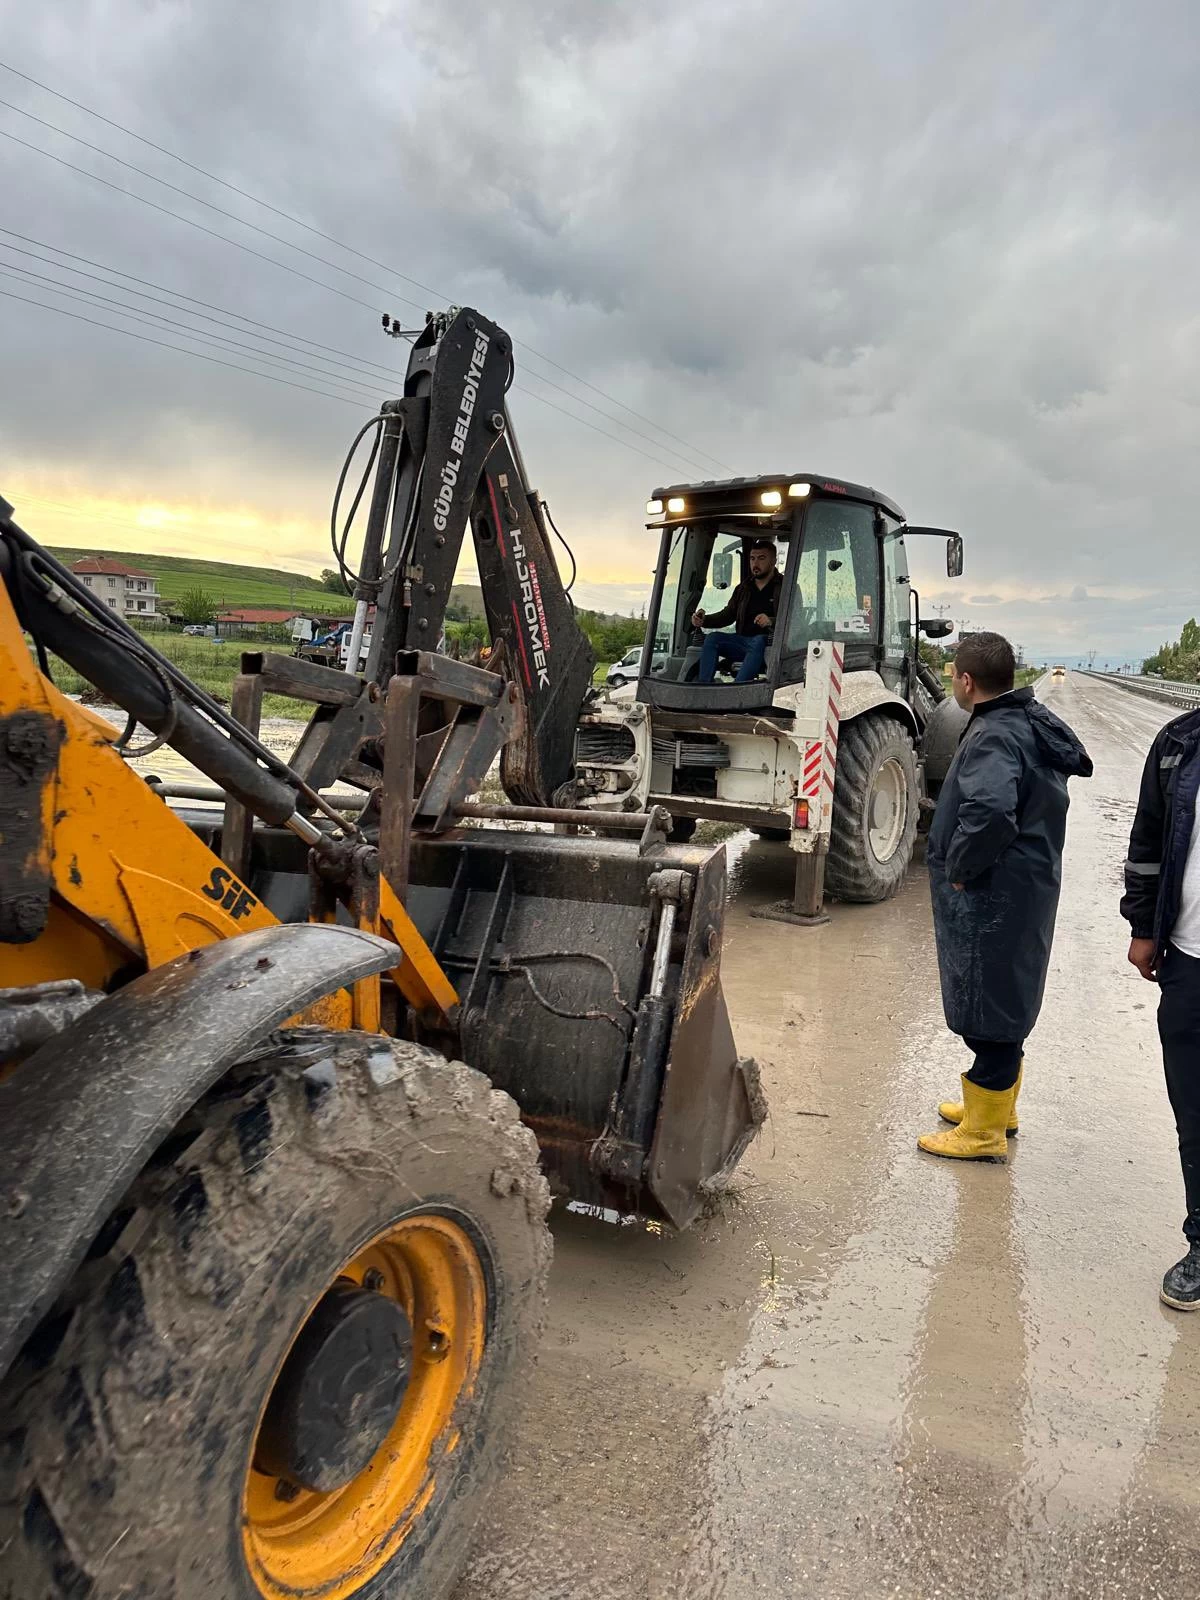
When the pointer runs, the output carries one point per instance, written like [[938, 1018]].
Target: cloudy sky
[[949, 250]]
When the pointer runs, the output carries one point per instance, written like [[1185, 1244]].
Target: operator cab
[[840, 550]]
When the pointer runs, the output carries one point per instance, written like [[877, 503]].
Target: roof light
[[676, 504], [797, 491], [772, 498], [654, 508]]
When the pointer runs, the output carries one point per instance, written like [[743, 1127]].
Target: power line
[[89, 297], [132, 194], [173, 324], [153, 319], [253, 371], [237, 243], [541, 399], [333, 376], [127, 524], [166, 211], [287, 338], [199, 200], [688, 465], [350, 250], [695, 449], [179, 349]]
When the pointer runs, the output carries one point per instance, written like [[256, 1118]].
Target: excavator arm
[[446, 458]]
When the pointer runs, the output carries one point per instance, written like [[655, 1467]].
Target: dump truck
[[844, 735], [294, 1057]]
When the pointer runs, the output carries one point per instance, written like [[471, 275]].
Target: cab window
[[837, 579]]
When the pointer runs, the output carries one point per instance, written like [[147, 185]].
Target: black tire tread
[[67, 1432], [852, 872]]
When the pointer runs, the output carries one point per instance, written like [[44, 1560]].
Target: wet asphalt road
[[877, 1373]]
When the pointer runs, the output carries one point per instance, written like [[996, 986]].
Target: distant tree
[[334, 582], [474, 631], [1180, 660], [195, 607]]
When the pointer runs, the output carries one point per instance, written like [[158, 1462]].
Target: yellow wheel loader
[[274, 1253]]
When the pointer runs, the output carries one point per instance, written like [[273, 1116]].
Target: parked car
[[197, 629], [629, 667]]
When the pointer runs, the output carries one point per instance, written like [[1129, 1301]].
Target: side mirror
[[954, 546], [722, 569], [936, 627]]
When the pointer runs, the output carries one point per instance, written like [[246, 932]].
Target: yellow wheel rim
[[301, 1543]]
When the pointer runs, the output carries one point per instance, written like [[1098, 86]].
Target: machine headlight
[[654, 508], [771, 498], [676, 504], [798, 491]]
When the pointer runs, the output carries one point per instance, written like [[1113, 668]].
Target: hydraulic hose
[[102, 657]]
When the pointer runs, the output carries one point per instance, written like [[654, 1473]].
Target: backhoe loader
[[274, 1255], [839, 737]]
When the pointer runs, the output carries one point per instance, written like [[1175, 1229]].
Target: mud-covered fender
[[866, 691], [940, 742], [81, 1116]]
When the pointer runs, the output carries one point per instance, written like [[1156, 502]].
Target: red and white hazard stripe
[[810, 772], [833, 717]]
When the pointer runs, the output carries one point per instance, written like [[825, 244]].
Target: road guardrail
[[1173, 693]]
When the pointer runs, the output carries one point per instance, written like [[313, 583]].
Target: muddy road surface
[[877, 1373]]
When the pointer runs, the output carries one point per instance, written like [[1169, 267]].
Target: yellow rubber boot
[[952, 1110], [980, 1134]]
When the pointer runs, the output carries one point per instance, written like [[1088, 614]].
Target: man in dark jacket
[[1162, 906], [752, 609], [995, 864]]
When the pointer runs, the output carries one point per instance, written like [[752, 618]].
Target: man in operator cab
[[752, 608]]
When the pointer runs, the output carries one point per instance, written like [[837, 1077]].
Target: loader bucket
[[589, 976]]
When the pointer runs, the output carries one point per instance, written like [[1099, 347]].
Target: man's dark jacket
[[747, 602], [998, 830], [1162, 831]]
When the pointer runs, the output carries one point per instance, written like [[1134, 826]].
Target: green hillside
[[226, 584], [230, 585]]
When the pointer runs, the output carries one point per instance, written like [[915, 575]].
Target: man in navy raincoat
[[995, 864], [1162, 905]]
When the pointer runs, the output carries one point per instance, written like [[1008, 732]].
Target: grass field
[[212, 666], [229, 585], [225, 583]]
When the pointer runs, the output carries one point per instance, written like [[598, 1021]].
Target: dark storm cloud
[[946, 250]]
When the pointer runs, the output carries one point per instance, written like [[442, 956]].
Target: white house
[[123, 589]]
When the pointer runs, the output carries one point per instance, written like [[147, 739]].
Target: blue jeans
[[750, 650]]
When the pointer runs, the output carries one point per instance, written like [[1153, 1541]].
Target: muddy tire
[[682, 829], [131, 1418], [875, 811]]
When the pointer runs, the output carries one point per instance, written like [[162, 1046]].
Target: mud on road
[[874, 1373]]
